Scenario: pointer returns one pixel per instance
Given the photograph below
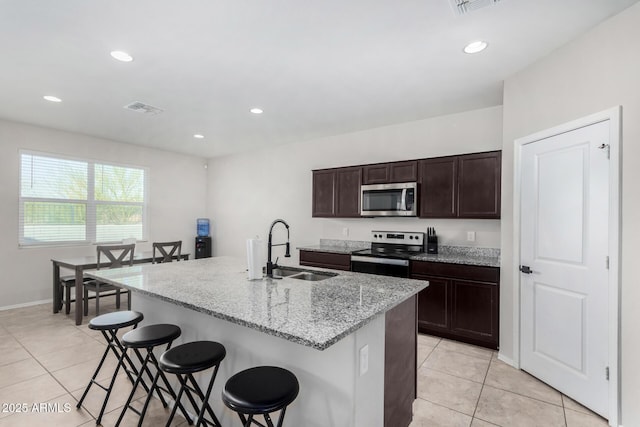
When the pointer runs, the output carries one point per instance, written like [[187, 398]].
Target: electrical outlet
[[471, 236], [364, 359], [345, 231]]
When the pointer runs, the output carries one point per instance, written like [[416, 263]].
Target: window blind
[[67, 201]]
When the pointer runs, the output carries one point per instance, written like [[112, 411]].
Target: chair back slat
[[167, 250], [118, 255]]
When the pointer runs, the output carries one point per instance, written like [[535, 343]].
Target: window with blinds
[[67, 201]]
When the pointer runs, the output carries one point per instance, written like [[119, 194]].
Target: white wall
[[177, 186], [597, 71], [248, 191]]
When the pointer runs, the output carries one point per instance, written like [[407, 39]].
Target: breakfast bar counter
[[333, 333]]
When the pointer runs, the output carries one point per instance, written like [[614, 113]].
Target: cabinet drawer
[[456, 271], [326, 260]]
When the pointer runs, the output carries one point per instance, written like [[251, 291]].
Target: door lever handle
[[526, 269]]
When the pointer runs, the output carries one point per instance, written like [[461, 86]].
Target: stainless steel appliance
[[389, 254], [389, 199]]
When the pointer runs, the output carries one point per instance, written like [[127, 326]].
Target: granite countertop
[[315, 314], [467, 255], [487, 257], [337, 246], [328, 249]]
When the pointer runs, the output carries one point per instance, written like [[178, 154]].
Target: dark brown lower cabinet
[[433, 307], [400, 354], [461, 302], [326, 260]]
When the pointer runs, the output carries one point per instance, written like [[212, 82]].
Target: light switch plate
[[345, 231], [471, 236]]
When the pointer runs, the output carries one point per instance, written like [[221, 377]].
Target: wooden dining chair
[[167, 250], [116, 256], [67, 283]]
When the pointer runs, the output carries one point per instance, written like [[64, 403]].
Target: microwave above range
[[389, 199]]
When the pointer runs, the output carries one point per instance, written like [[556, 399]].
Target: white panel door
[[564, 242]]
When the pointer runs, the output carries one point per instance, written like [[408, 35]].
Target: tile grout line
[[48, 373], [445, 407], [482, 389], [564, 410], [67, 392]]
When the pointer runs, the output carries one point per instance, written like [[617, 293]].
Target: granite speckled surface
[[488, 257], [337, 246], [314, 314]]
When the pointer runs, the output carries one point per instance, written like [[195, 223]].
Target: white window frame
[[90, 203]]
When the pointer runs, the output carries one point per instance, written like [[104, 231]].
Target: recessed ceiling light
[[198, 136], [256, 110], [475, 47], [52, 98], [122, 56]]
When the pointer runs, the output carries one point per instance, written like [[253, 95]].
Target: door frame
[[614, 115]]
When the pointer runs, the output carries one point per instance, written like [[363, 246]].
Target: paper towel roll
[[254, 258]]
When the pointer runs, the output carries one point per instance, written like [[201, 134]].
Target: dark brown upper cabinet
[[466, 186], [336, 192], [348, 192], [324, 190], [479, 185], [384, 173], [438, 179]]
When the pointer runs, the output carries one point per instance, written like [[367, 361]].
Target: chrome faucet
[[271, 265]]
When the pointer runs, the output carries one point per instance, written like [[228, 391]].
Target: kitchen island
[[348, 338]]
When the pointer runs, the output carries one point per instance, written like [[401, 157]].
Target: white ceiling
[[317, 68]]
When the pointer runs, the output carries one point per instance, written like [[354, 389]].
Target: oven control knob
[[411, 237], [375, 236]]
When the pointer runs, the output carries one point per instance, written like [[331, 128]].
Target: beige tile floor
[[464, 385], [46, 359]]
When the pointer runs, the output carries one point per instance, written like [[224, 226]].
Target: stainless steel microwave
[[389, 199]]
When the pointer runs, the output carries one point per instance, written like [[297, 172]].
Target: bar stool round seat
[[186, 360], [260, 391], [192, 357], [115, 320], [151, 336]]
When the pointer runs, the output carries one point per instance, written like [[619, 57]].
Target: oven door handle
[[373, 260]]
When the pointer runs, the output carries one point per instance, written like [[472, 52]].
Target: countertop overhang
[[314, 314]]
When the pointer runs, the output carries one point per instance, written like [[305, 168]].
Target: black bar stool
[[187, 359], [260, 391], [109, 324], [149, 337]]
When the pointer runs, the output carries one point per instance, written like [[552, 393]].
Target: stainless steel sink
[[300, 274], [285, 272], [311, 277]]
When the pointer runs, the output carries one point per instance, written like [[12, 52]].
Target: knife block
[[432, 244]]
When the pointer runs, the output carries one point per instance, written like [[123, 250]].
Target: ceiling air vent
[[143, 108], [461, 7]]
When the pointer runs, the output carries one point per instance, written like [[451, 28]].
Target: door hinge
[[607, 372], [605, 147], [607, 262]]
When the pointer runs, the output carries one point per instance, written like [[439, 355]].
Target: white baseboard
[[506, 359], [26, 304]]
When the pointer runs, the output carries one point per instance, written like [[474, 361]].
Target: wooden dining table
[[79, 265]]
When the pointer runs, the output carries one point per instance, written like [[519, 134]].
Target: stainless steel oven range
[[389, 254]]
